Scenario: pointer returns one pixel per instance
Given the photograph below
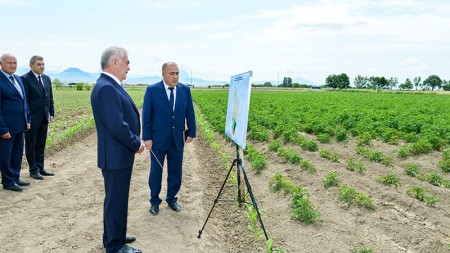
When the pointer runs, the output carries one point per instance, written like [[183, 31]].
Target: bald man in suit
[[14, 120]]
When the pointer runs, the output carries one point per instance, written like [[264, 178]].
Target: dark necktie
[[42, 84], [171, 100], [16, 85]]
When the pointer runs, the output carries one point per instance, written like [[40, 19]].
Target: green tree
[[360, 82], [378, 82], [56, 83], [407, 85], [446, 85], [267, 84], [338, 81], [287, 82], [433, 81], [417, 80], [393, 81]]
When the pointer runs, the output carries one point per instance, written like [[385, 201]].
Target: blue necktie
[[171, 97], [16, 85]]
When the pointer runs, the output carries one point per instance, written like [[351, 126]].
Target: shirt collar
[[6, 74], [167, 86], [113, 77]]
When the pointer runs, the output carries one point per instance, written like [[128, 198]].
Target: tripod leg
[[217, 198], [255, 205]]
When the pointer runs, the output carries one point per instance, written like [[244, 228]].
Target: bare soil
[[64, 213]]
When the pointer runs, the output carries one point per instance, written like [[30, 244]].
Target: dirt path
[[64, 213]]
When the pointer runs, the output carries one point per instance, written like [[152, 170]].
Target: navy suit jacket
[[14, 112], [117, 122], [158, 124], [40, 101]]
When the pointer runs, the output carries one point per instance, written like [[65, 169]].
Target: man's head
[[8, 63], [115, 61], [170, 73], [37, 64]]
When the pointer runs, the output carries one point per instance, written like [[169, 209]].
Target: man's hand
[[189, 139], [148, 144], [51, 118], [28, 126], [6, 136], [141, 149]]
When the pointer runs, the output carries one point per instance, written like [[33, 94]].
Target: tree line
[[342, 81]]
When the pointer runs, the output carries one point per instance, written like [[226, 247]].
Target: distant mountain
[[76, 75]]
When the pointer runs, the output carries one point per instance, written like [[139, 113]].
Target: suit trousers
[[174, 173], [115, 208], [11, 159], [35, 139]]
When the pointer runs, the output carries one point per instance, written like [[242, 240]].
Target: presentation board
[[238, 108]]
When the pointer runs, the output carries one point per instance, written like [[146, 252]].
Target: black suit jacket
[[40, 100]]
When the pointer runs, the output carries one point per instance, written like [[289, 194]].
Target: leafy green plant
[[418, 192], [290, 155], [324, 138], [350, 196], [253, 220], [341, 134], [303, 210], [280, 183], [364, 139], [257, 158], [352, 165], [444, 164], [363, 250], [403, 151], [412, 169], [422, 146], [435, 179], [333, 156], [331, 180], [275, 145], [389, 179], [307, 166], [309, 145]]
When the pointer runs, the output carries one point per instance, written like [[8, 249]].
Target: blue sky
[[216, 39]]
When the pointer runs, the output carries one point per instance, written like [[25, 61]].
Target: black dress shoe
[[15, 188], [23, 183], [47, 173], [130, 239], [36, 175], [175, 206], [154, 209], [128, 249]]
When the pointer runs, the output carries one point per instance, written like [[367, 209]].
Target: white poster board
[[238, 107]]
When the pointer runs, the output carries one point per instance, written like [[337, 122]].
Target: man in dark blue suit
[[38, 88], [166, 112], [14, 119], [118, 129]]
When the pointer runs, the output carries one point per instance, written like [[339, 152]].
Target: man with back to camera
[[166, 111], [38, 88], [118, 128], [14, 119]]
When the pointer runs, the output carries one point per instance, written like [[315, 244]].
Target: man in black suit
[[14, 119], [118, 129], [38, 88]]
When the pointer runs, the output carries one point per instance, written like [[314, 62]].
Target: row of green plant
[[444, 164], [347, 193], [388, 117], [257, 158], [301, 207], [414, 170], [375, 156]]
